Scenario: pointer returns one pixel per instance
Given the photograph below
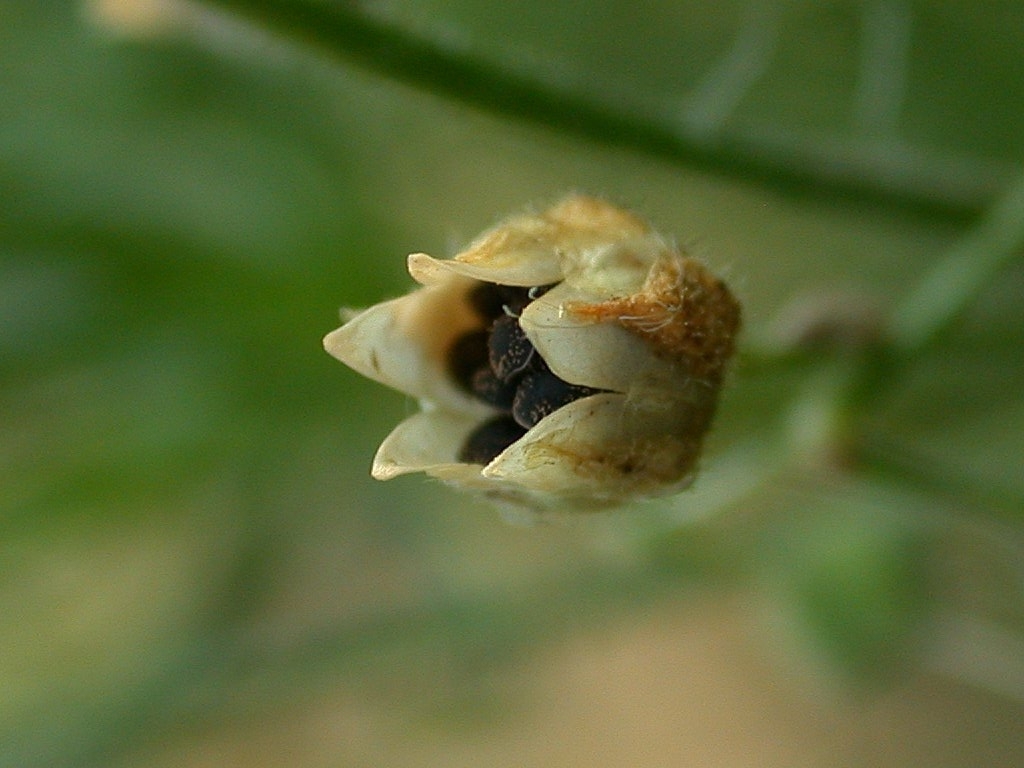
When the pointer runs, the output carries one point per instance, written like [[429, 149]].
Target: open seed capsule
[[566, 359]]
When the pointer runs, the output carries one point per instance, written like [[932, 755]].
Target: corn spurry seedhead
[[570, 359]]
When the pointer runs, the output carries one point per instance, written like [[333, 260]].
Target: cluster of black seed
[[499, 365]]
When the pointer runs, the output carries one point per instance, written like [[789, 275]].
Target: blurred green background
[[197, 568]]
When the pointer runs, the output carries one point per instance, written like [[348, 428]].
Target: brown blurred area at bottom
[[689, 684]]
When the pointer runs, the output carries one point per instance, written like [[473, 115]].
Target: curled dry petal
[[630, 336]]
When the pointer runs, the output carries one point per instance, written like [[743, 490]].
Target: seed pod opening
[[566, 359]]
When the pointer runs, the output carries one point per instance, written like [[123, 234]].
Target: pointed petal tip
[[336, 342], [388, 470]]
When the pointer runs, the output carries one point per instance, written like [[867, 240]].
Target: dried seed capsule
[[489, 439], [509, 351], [542, 393], [617, 354]]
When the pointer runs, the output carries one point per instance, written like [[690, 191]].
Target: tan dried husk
[[630, 314]]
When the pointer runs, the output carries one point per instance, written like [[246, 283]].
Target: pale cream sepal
[[401, 344]]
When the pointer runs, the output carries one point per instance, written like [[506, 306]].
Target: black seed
[[467, 354], [509, 351], [493, 390], [541, 393], [537, 365], [489, 439]]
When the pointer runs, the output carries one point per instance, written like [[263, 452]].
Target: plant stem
[[886, 173], [945, 293], [979, 498]]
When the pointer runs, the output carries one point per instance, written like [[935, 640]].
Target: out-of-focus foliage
[[190, 543]]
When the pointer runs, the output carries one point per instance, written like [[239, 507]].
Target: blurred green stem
[[892, 462], [846, 384], [823, 166], [940, 299]]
